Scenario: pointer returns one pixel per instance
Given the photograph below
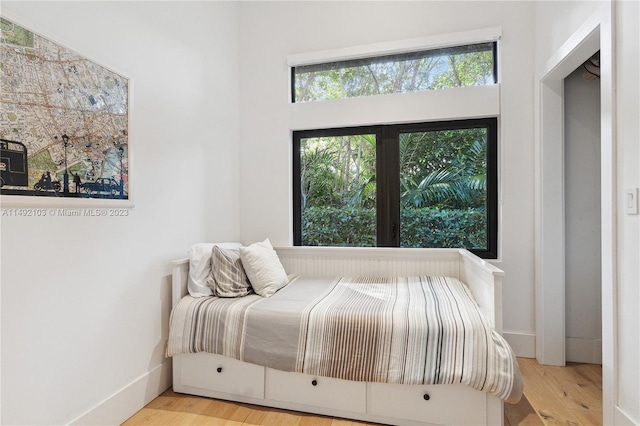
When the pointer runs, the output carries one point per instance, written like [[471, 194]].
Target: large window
[[460, 66], [412, 185]]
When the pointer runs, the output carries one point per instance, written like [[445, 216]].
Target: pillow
[[227, 277], [263, 268], [200, 267]]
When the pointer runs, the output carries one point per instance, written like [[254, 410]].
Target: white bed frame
[[220, 377]]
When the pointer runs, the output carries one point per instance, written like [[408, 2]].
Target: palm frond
[[445, 186]]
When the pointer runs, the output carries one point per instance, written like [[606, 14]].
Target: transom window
[[410, 185], [460, 66]]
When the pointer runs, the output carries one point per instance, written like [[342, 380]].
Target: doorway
[[596, 34], [582, 219]]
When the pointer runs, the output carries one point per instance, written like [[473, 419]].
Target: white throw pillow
[[200, 267], [263, 268]]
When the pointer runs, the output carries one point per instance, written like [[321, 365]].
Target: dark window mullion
[[492, 190], [388, 184]]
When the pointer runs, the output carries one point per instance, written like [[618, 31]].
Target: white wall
[[85, 301], [583, 283], [628, 250], [561, 20], [556, 21], [267, 116]]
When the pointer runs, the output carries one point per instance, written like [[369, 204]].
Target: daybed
[[224, 377]]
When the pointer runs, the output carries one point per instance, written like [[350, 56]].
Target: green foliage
[[442, 183], [460, 67], [339, 226], [445, 168], [421, 227], [429, 227], [338, 171], [317, 176], [469, 69]]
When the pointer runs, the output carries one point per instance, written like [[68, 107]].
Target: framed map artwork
[[64, 123]]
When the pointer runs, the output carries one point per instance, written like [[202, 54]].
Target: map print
[[63, 121]]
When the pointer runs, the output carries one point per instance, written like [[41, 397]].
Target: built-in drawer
[[439, 404], [316, 391], [221, 374]]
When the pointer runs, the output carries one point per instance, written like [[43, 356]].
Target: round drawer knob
[[314, 382], [219, 369], [426, 397]]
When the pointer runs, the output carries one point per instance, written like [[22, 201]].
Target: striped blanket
[[416, 330]]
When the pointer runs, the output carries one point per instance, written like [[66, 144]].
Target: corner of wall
[[118, 407]]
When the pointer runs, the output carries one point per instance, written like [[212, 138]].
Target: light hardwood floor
[[569, 395]]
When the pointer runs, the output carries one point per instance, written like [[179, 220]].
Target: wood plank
[[171, 401], [150, 416], [272, 417], [587, 373], [229, 411], [521, 414], [545, 399], [563, 395]]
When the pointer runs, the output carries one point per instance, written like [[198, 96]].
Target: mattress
[[402, 330]]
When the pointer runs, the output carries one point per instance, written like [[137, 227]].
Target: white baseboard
[[523, 344], [130, 399], [577, 350], [583, 350], [621, 418]]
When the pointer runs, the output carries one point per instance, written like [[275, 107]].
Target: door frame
[[595, 34]]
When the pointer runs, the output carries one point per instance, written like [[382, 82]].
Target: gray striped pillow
[[227, 277]]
